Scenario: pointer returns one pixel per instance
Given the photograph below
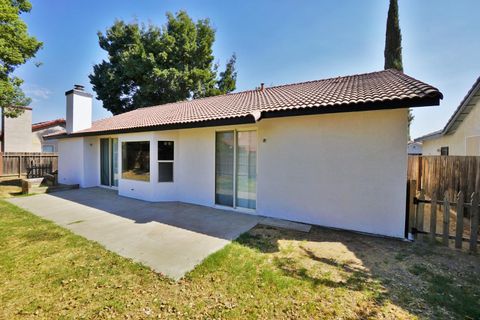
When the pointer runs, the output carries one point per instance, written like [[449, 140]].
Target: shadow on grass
[[42, 235], [10, 187], [407, 274]]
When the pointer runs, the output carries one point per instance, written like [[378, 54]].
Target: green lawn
[[48, 272]]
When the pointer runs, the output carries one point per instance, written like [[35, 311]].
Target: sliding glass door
[[109, 162], [236, 169]]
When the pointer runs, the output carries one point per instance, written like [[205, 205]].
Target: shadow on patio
[[209, 221]]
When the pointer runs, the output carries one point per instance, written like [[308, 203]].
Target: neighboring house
[[19, 135], [17, 132], [328, 152], [44, 128], [414, 148], [461, 134]]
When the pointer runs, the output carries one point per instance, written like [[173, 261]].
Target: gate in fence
[[39, 170], [457, 218]]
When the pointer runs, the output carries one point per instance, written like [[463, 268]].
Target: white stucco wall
[[341, 170], [456, 142], [345, 170], [17, 133], [71, 161]]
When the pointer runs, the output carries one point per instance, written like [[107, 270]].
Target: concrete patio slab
[[170, 237]]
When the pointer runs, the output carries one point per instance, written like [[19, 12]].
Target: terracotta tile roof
[[341, 94], [45, 124]]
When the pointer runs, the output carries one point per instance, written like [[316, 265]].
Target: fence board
[[420, 209], [474, 223], [433, 217], [459, 224], [446, 218]]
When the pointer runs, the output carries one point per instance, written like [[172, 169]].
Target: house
[[414, 148], [329, 152], [19, 135], [44, 128], [461, 134]]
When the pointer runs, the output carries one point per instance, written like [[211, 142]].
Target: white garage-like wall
[[344, 170]]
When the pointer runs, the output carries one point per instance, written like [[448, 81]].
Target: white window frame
[[48, 145], [166, 161]]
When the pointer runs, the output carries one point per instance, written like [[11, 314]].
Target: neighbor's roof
[[46, 124], [386, 89], [462, 111]]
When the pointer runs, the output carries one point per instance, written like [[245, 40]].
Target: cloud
[[36, 92]]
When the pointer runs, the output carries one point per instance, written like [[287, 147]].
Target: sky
[[276, 42]]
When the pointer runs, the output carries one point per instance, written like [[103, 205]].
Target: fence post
[[420, 209], [459, 225], [19, 166], [412, 187], [419, 173], [433, 217], [474, 222], [446, 219]]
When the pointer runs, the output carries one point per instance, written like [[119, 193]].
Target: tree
[[393, 39], [393, 47], [16, 47], [148, 65]]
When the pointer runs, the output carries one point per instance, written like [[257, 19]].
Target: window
[[165, 161], [48, 148], [444, 151], [136, 160]]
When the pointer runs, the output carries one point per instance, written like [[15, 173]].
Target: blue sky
[[276, 42]]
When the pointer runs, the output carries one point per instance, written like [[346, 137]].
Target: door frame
[[110, 159], [234, 207]]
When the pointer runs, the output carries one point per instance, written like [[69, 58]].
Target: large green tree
[[16, 47], [148, 65]]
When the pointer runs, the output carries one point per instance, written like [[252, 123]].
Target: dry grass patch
[[48, 272]]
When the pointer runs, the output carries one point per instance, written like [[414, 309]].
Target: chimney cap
[[262, 86], [79, 87]]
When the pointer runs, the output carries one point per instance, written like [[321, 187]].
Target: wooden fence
[[440, 174], [457, 218], [18, 163]]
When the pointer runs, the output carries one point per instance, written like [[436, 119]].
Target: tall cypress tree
[[393, 47], [393, 39]]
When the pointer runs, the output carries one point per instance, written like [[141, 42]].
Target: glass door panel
[[224, 167], [246, 169], [114, 162], [104, 162]]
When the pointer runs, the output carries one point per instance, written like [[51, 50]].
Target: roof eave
[[465, 102], [430, 100]]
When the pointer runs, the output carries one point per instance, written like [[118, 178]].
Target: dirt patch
[[420, 277]]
